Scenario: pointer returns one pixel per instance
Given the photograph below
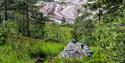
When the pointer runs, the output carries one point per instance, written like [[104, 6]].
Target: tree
[[5, 9], [27, 15], [105, 39], [113, 7], [83, 27]]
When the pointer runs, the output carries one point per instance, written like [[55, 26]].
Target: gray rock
[[74, 50], [57, 10], [66, 11]]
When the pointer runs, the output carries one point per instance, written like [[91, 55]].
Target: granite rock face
[[76, 50], [65, 10]]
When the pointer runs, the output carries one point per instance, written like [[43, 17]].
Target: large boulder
[[76, 50]]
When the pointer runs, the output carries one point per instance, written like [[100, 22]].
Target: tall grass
[[26, 50]]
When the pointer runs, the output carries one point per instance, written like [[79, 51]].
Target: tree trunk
[[5, 10], [0, 19], [27, 22]]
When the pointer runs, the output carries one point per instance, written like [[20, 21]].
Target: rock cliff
[[66, 11]]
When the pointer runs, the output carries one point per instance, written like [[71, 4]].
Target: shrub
[[108, 46], [57, 33]]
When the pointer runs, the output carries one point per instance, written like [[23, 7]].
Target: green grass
[[58, 33], [21, 49], [25, 50], [106, 45]]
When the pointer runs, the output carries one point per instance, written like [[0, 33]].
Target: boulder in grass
[[76, 50]]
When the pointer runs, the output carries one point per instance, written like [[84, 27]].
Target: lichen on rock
[[76, 50]]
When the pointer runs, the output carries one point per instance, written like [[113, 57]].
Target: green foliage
[[7, 27], [63, 60], [105, 37], [9, 55], [11, 26], [107, 44], [37, 27], [106, 40], [26, 50], [48, 49], [2, 36], [58, 33]]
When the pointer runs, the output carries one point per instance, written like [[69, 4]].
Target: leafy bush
[[108, 46], [6, 28], [24, 49], [105, 37], [57, 33], [2, 36], [9, 26], [46, 49]]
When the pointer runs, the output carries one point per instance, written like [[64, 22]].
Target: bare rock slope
[[65, 10]]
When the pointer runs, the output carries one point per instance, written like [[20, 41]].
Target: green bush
[[10, 26], [2, 36], [48, 49], [57, 33], [6, 28], [26, 50], [109, 44]]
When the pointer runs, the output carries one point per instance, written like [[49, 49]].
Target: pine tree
[[5, 9]]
